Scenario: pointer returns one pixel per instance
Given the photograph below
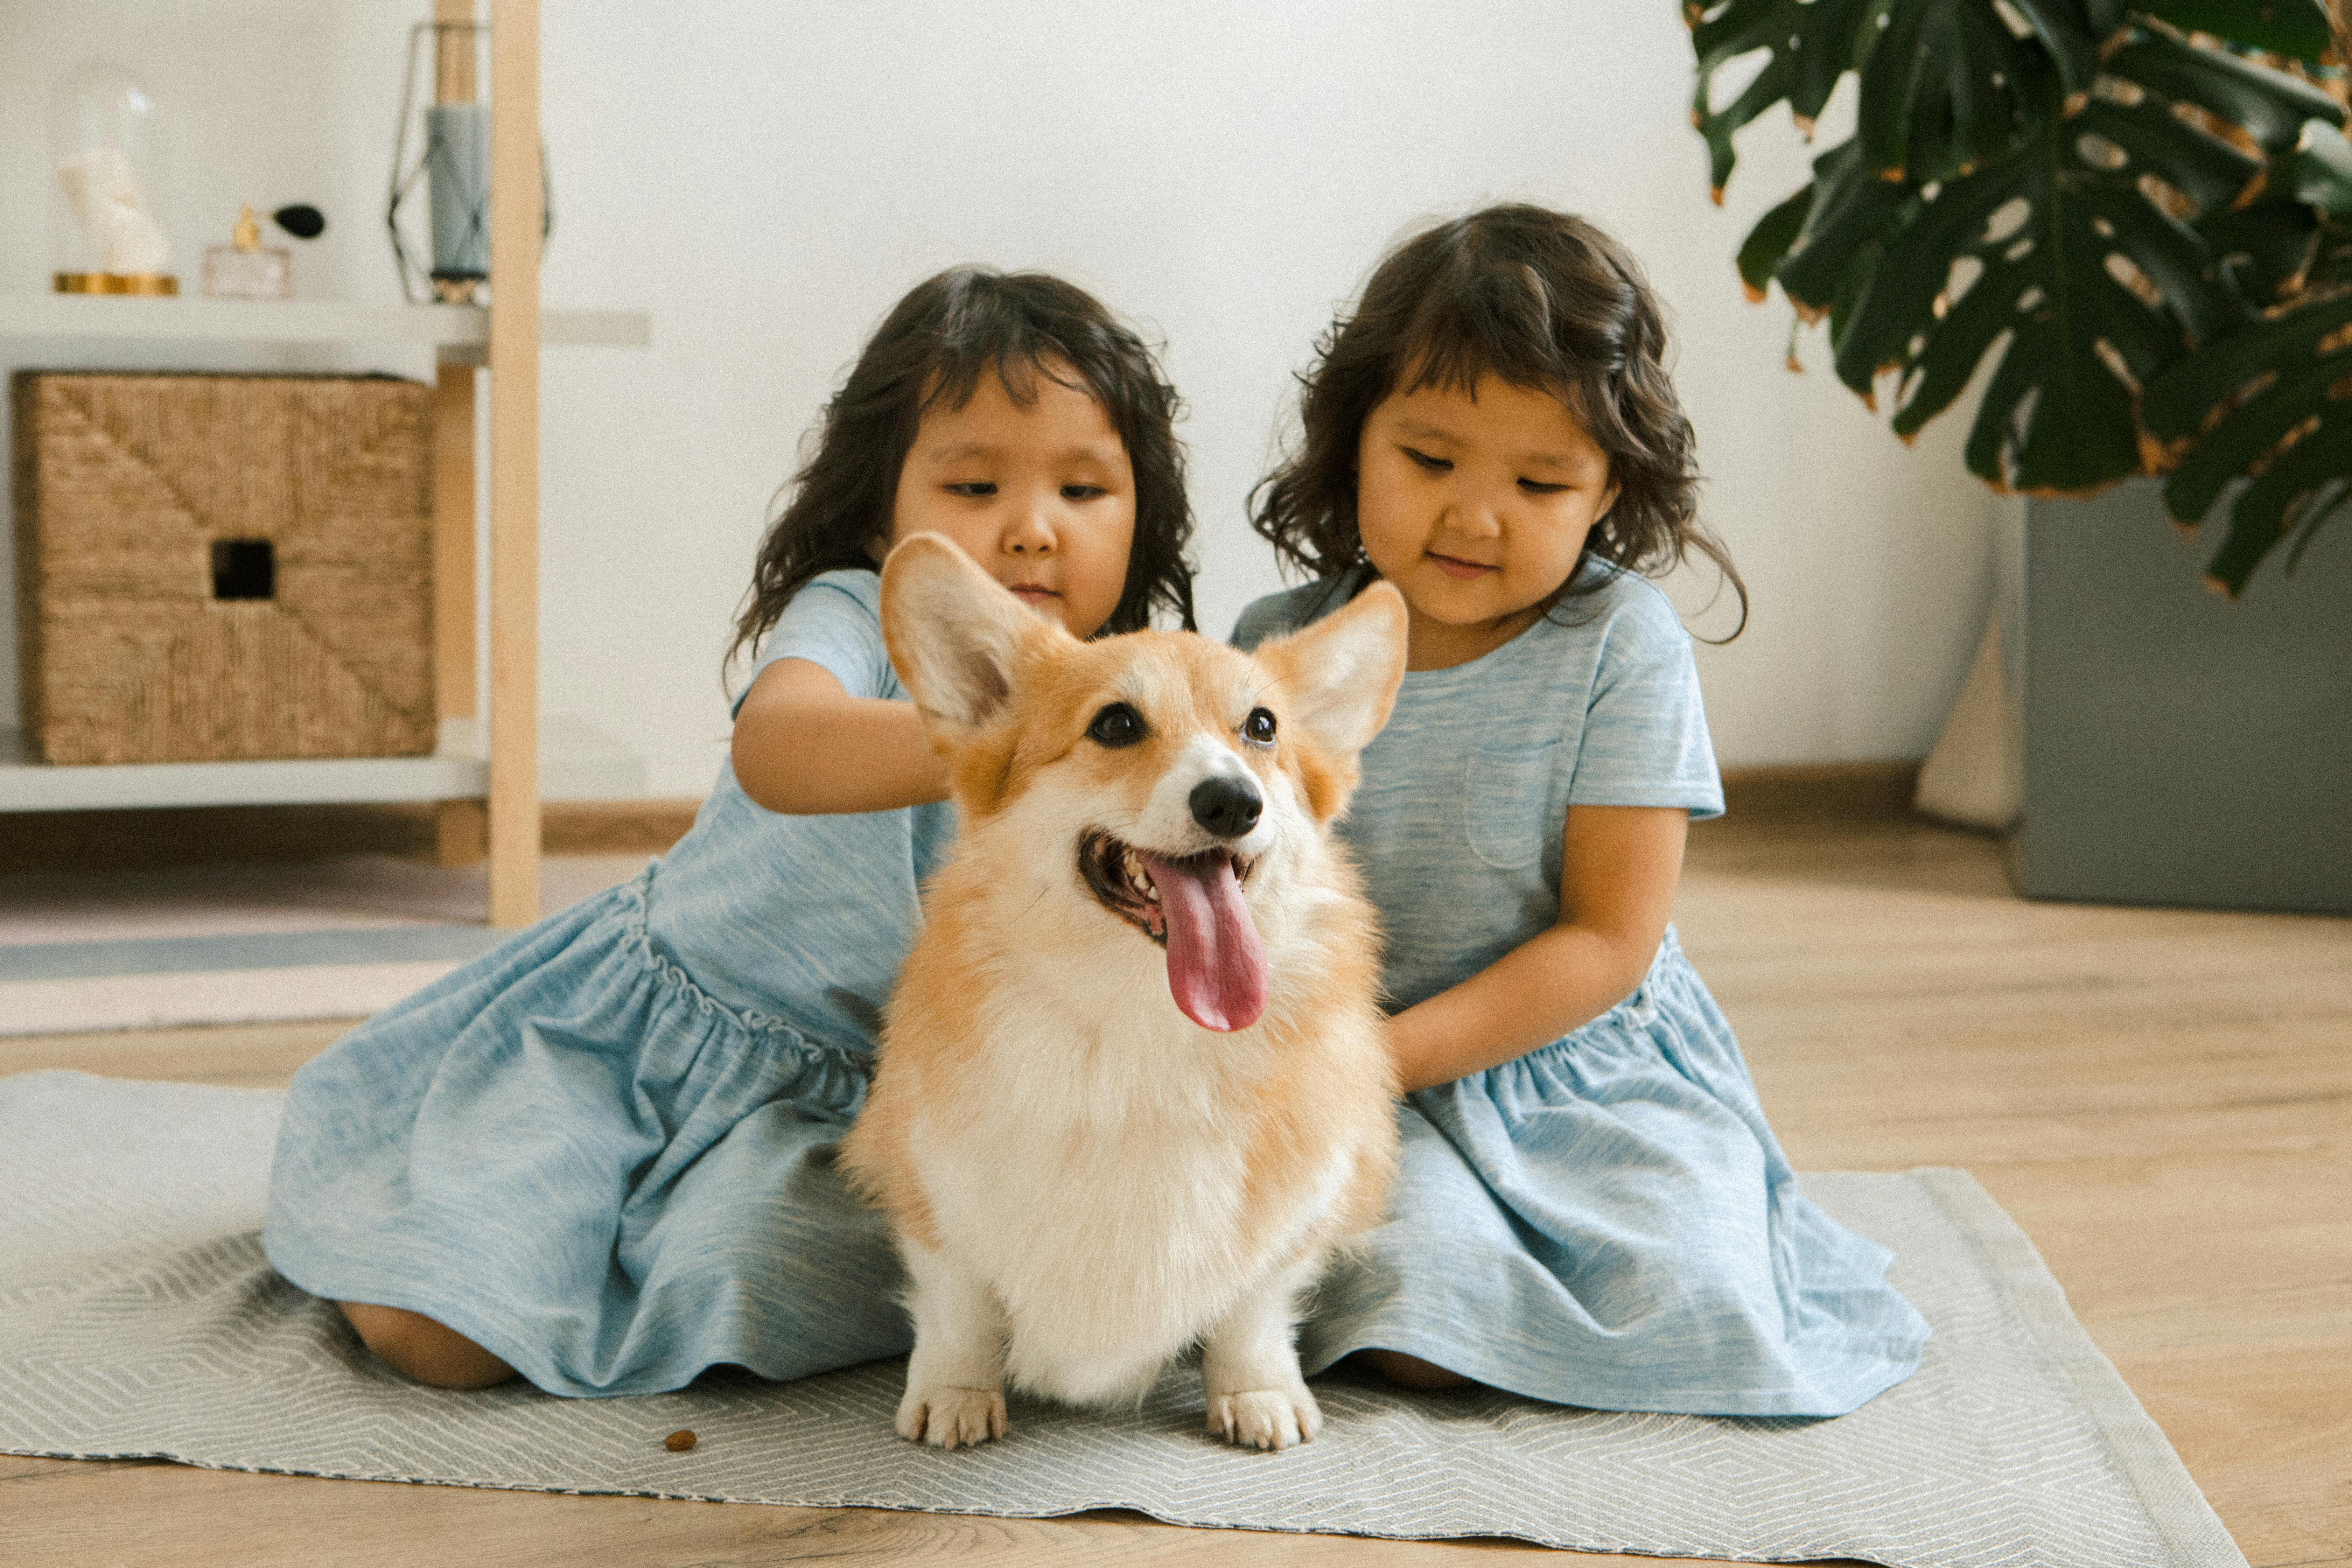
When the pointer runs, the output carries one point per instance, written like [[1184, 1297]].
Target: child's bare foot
[[417, 1346], [1410, 1370]]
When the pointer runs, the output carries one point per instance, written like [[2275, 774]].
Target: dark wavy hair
[[1543, 301], [932, 348]]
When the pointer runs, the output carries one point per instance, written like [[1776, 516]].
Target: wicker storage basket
[[224, 566]]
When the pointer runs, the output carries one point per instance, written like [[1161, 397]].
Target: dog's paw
[[951, 1418], [1265, 1417]]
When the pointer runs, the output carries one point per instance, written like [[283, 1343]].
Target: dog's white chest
[[1094, 1202], [1105, 1242]]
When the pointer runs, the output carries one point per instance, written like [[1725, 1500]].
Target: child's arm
[[804, 746], [1618, 869]]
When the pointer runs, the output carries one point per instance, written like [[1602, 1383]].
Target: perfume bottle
[[244, 268]]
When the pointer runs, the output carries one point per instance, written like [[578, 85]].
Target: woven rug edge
[[2191, 1530]]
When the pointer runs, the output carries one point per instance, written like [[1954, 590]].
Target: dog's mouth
[[1120, 878], [1192, 907]]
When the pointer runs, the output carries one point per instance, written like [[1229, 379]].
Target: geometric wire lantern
[[444, 143]]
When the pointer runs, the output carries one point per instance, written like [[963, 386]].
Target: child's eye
[[975, 489], [1082, 492], [1537, 488], [1434, 465]]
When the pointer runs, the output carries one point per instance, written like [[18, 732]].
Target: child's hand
[[803, 746], [1619, 865]]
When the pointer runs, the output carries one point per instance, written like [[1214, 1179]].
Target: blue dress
[[604, 1151], [1606, 1221]]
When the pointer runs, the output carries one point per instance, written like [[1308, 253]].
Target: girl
[[600, 1155], [1590, 1208]]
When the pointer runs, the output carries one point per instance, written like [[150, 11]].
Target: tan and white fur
[[1083, 1181]]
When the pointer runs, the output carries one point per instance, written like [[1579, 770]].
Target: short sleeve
[[836, 622], [1278, 614], [1266, 617], [1645, 739]]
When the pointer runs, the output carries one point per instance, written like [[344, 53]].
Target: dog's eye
[[1116, 725], [1259, 726]]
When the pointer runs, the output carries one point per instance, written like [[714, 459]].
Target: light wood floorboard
[[2163, 1099]]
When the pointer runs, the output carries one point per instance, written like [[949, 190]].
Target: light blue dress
[[1606, 1221], [604, 1151]]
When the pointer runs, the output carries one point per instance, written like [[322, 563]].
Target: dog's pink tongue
[[1216, 970]]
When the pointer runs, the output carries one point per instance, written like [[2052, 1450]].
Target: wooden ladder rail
[[515, 217]]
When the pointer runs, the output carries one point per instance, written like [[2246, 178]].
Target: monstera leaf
[[2078, 190], [2298, 29], [2273, 399], [1809, 43]]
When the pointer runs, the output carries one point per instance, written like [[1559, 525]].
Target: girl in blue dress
[[1590, 1208], [600, 1155]]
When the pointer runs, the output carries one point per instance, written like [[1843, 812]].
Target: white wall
[[766, 178]]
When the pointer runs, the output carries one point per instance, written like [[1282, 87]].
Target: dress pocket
[[1508, 791]]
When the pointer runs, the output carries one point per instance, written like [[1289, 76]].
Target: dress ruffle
[[569, 1152], [1608, 1221]]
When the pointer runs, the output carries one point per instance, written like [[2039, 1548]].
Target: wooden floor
[[2162, 1099]]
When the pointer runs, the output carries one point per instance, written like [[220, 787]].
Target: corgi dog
[[1133, 1085]]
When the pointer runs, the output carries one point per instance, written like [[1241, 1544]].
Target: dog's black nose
[[1225, 805]]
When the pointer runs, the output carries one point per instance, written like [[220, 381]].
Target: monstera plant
[[2142, 211]]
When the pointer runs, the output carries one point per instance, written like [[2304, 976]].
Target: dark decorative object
[[444, 143], [2142, 211], [302, 220]]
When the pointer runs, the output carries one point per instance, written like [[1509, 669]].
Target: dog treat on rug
[[1133, 1085], [679, 1442]]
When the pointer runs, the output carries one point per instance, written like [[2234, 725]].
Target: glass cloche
[[109, 161]]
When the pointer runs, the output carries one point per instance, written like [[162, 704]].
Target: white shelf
[[576, 760], [298, 321]]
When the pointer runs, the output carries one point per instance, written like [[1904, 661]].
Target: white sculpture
[[103, 190]]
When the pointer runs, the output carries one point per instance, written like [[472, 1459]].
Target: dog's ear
[[955, 635], [1343, 673]]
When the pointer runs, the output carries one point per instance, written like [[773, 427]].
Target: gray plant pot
[[2180, 748]]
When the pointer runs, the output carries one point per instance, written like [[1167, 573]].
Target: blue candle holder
[[443, 143]]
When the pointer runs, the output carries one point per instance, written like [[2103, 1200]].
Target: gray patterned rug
[[138, 1318]]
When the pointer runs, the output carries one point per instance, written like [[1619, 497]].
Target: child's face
[[1475, 505], [1042, 496]]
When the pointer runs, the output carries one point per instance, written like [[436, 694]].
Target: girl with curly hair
[[1590, 1208], [602, 1154]]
